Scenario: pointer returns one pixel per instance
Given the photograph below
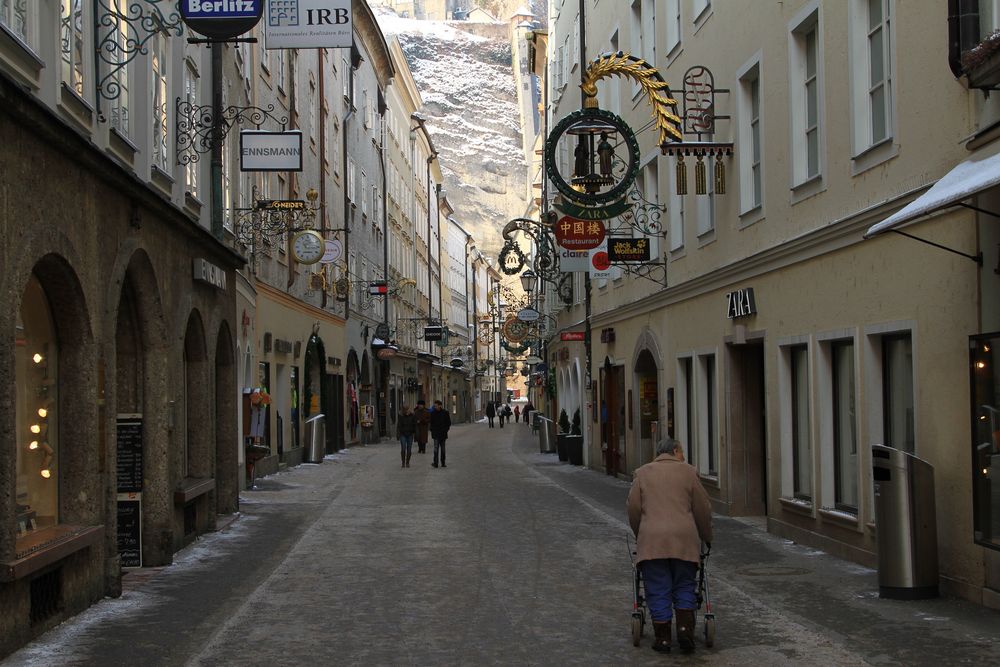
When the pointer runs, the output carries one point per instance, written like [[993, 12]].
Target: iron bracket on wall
[[123, 32], [195, 123]]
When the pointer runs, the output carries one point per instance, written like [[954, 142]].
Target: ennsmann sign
[[270, 151], [221, 19]]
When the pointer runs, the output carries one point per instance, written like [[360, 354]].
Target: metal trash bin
[[905, 525], [315, 444], [545, 428]]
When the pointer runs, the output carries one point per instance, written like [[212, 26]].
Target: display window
[[36, 373], [985, 412]]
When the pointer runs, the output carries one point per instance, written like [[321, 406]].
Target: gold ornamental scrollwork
[[657, 90]]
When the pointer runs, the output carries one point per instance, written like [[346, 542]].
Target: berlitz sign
[[308, 24], [221, 19], [741, 303], [270, 151]]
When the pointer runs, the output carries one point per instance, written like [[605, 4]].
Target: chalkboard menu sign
[[129, 453], [130, 531]]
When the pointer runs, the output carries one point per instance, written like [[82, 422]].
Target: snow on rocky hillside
[[464, 75]]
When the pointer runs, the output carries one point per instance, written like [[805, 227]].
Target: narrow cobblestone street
[[504, 557]]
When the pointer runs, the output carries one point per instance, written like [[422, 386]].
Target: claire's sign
[[221, 19]]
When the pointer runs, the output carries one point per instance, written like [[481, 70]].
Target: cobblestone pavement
[[504, 557]]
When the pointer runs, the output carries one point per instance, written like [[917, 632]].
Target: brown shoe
[[685, 629], [661, 632]]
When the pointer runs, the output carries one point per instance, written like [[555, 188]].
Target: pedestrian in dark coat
[[491, 412], [670, 514], [517, 413], [440, 424], [423, 416], [527, 412], [407, 428]]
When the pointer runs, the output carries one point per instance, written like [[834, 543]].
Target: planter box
[[574, 449]]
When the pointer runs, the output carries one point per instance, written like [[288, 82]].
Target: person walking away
[[407, 425], [491, 412], [501, 413], [423, 416], [528, 407], [517, 413], [440, 424], [670, 514]]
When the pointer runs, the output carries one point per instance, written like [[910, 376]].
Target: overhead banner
[[308, 24], [270, 151]]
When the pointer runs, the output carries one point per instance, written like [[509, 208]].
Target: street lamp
[[528, 281]]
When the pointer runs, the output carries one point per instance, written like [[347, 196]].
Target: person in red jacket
[[670, 514]]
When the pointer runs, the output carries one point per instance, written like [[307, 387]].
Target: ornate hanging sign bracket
[[195, 123]]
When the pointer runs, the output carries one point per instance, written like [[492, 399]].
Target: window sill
[[46, 546], [702, 18], [873, 156], [192, 204], [839, 518], [192, 487], [28, 66], [808, 188], [161, 179], [709, 479], [797, 506], [121, 147], [706, 238], [77, 108], [752, 216]]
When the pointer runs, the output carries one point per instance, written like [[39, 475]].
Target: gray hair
[[668, 446]]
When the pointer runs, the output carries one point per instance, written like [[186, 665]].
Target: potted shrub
[[562, 435], [574, 441]]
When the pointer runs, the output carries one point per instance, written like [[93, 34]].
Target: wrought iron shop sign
[[270, 151], [221, 19], [280, 205], [741, 303], [628, 250], [433, 333]]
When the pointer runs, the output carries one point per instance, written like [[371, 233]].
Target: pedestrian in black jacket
[[407, 425], [440, 424], [491, 412]]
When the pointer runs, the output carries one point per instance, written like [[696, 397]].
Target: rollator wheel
[[636, 629], [709, 631]]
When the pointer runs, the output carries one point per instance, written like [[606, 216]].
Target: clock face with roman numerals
[[308, 247]]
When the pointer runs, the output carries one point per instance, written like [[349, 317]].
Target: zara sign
[[741, 303]]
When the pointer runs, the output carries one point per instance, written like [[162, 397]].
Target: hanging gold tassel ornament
[[700, 186], [720, 176], [682, 175]]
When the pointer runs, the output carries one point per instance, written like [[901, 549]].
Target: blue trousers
[[669, 583], [405, 443]]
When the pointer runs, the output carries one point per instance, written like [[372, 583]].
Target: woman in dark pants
[[407, 425]]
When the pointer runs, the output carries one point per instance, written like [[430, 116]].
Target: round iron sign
[[221, 19]]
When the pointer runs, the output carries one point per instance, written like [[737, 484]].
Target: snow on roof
[[522, 11]]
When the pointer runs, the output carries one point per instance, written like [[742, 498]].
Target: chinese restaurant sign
[[574, 234]]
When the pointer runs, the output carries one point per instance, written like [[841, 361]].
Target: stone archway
[[649, 425]]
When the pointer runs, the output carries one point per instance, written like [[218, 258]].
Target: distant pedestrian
[[440, 423], [517, 413], [670, 514], [491, 412], [502, 413], [528, 407], [407, 428], [423, 416]]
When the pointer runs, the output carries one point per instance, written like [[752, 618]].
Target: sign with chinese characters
[[270, 151], [628, 249], [741, 303], [308, 24], [574, 234], [221, 19]]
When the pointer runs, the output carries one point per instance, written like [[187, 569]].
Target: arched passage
[[197, 454], [353, 378], [226, 433]]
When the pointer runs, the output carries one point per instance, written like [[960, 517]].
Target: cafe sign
[[628, 249]]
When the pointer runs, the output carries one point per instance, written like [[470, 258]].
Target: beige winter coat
[[669, 510]]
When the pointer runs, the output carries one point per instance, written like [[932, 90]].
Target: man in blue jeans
[[670, 514], [440, 424]]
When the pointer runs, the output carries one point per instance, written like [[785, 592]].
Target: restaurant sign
[[574, 234], [621, 249]]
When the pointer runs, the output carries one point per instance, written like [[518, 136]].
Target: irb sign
[[308, 24]]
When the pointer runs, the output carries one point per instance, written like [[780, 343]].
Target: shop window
[[37, 485], [985, 415], [801, 426], [897, 389], [845, 434]]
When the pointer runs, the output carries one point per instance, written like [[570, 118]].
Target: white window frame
[[673, 28], [27, 31], [824, 413], [74, 68], [707, 412], [802, 85], [159, 60], [875, 380], [751, 131], [192, 82], [864, 142], [786, 393], [675, 215]]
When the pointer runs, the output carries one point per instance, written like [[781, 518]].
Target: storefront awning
[[980, 172]]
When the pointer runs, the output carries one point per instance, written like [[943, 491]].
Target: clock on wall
[[308, 247]]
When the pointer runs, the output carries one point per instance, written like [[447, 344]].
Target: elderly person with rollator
[[671, 515]]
